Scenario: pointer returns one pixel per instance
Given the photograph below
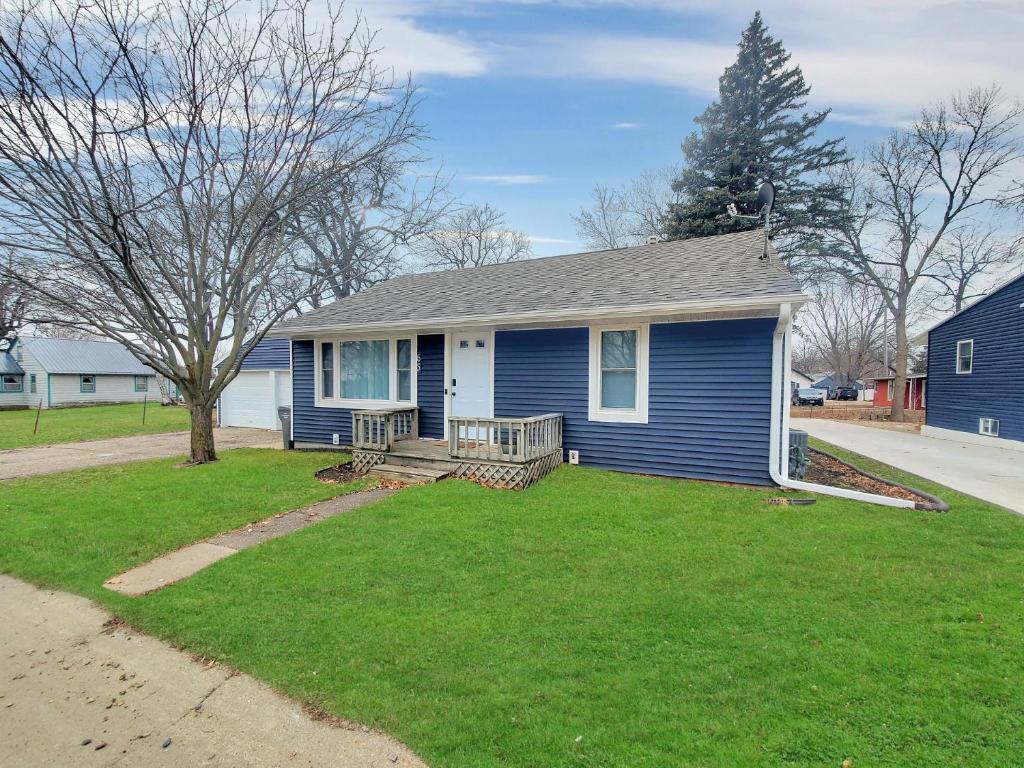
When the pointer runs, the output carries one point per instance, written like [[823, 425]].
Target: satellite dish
[[765, 198]]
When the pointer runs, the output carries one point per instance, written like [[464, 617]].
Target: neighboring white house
[[64, 372], [263, 384], [800, 380]]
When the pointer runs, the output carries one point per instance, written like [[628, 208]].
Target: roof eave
[[545, 316]]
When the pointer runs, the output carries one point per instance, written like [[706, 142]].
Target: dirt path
[[182, 563], [67, 677], [42, 460]]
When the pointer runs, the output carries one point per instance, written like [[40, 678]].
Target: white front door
[[470, 385]]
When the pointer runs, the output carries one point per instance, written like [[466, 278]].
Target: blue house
[[666, 359], [976, 369]]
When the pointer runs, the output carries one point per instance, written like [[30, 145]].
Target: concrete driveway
[[42, 460], [988, 473], [79, 689]]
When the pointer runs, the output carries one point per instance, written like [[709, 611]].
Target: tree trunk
[[899, 384], [203, 450]]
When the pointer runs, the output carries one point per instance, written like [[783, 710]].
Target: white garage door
[[251, 401]]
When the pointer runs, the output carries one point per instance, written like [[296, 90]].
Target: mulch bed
[[827, 471], [342, 473]]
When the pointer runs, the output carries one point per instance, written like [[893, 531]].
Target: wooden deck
[[510, 453]]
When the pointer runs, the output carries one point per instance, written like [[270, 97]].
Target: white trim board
[[972, 438], [582, 317]]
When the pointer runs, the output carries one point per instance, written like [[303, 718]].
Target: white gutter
[[778, 450]]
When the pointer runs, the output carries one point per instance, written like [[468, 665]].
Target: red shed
[[913, 395]]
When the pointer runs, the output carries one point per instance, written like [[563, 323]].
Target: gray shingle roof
[[8, 365], [76, 356], [708, 271]]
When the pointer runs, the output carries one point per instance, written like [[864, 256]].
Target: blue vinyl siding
[[430, 385], [993, 389], [709, 398], [317, 425], [269, 354], [309, 423]]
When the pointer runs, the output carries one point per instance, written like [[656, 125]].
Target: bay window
[[366, 372]]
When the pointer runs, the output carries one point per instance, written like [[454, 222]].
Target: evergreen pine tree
[[756, 130]]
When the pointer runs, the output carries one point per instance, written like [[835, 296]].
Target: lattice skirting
[[364, 461], [501, 475]]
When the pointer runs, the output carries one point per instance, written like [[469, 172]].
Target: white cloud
[[550, 240], [513, 179], [873, 61], [626, 126]]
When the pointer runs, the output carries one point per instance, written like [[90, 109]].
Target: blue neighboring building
[[976, 369], [660, 358]]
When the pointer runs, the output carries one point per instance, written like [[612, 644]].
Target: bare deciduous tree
[[916, 186], [474, 236], [154, 157], [360, 234], [13, 300], [962, 263], [843, 329], [619, 217]]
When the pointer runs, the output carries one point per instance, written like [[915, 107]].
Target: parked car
[[846, 393], [810, 396]]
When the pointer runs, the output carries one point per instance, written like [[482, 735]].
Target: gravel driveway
[[70, 675], [42, 460], [989, 473]]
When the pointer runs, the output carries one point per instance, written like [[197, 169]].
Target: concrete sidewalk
[[42, 460], [182, 563], [79, 689], [988, 473]]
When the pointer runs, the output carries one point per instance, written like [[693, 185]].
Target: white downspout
[[778, 450]]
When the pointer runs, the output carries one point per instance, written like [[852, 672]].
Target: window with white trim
[[888, 390], [618, 374], [403, 365], [327, 369], [988, 427], [142, 383], [965, 356], [11, 383], [366, 372], [86, 383]]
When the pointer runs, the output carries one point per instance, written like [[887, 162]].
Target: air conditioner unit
[[988, 427]]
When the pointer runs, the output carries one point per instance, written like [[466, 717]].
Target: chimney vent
[[652, 239]]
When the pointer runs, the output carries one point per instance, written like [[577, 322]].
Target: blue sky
[[531, 103]]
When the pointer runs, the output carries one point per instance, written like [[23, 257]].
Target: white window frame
[[889, 390], [991, 423], [971, 369], [358, 403], [637, 415]]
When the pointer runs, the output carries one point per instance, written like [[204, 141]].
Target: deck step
[[400, 458], [405, 473]]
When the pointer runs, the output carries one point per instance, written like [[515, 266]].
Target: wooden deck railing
[[380, 430], [514, 440]]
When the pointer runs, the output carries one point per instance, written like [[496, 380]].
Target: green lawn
[[68, 425], [76, 529], [597, 619]]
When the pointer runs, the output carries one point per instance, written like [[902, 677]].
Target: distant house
[[800, 380], [976, 371], [833, 381], [664, 358], [913, 392], [263, 384], [65, 372]]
